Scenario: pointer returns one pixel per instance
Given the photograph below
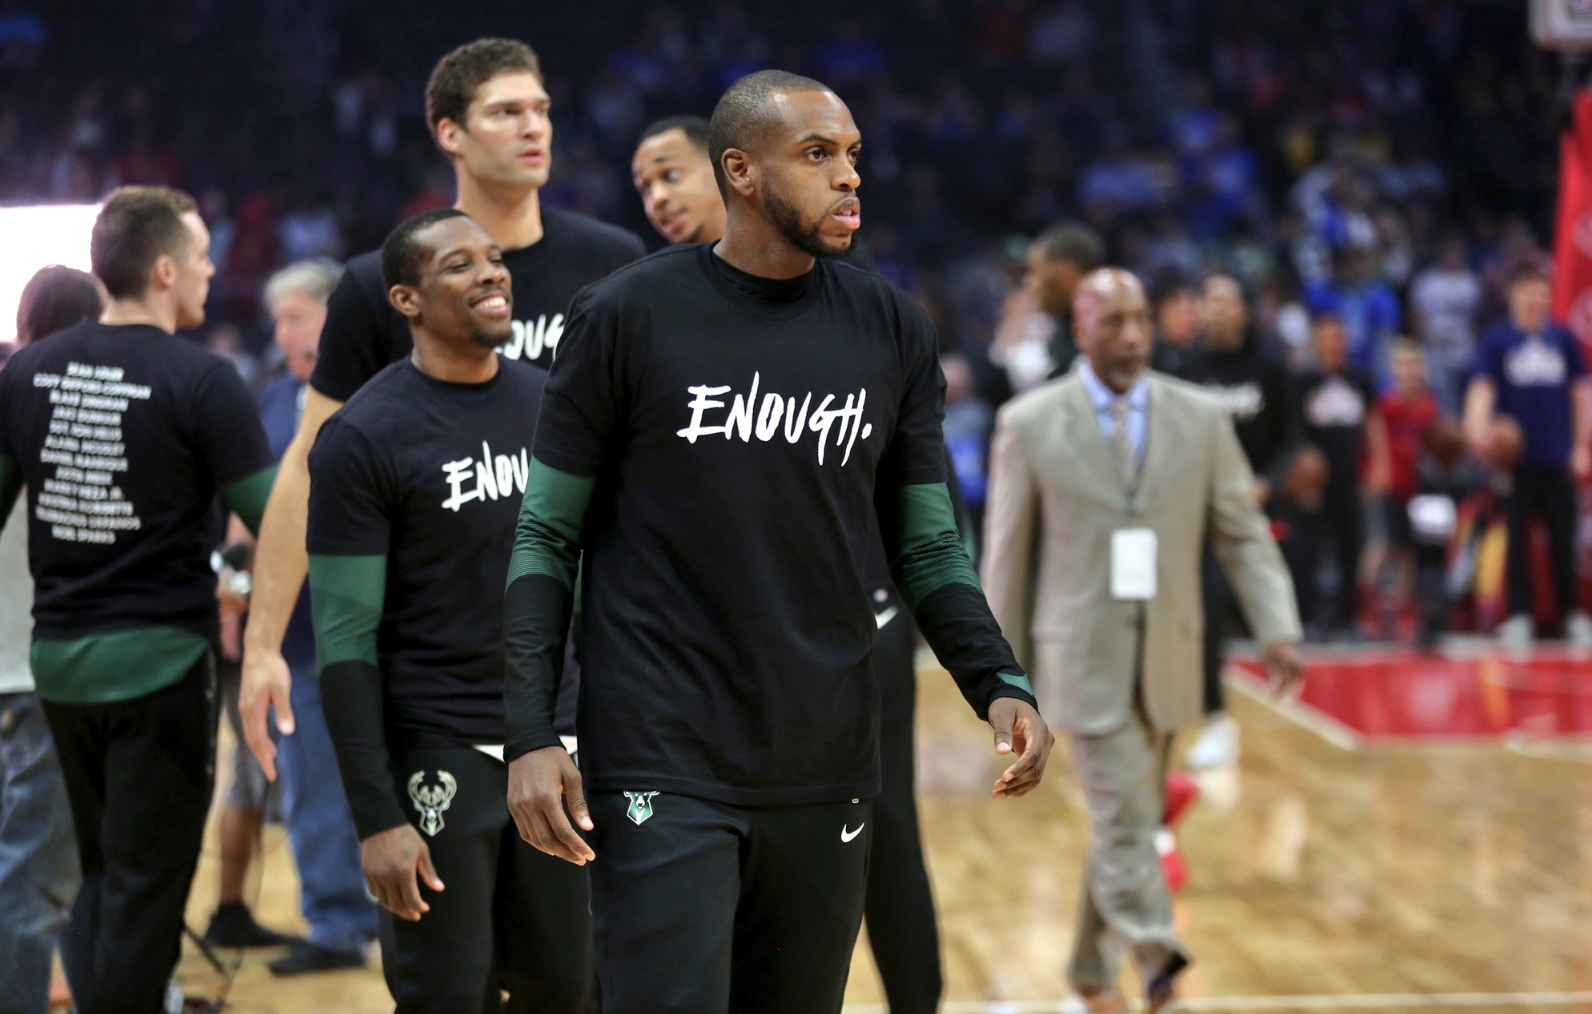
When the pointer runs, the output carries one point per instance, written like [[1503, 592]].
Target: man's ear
[[740, 174], [164, 273], [448, 137], [406, 300]]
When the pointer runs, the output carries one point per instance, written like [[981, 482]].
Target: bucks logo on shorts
[[431, 800], [640, 809]]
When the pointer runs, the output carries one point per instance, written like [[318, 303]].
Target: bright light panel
[[36, 236]]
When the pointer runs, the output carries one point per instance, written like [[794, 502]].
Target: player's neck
[[156, 313], [513, 218], [759, 249], [441, 361]]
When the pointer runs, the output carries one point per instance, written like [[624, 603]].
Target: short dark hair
[[1529, 271], [402, 253], [135, 227], [54, 299], [695, 129], [1077, 244], [746, 110], [458, 75], [1169, 285]]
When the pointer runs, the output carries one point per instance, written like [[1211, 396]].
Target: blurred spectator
[[1177, 319], [39, 872], [1341, 417], [1409, 412], [1444, 301], [320, 827], [1533, 371], [1057, 261], [968, 422], [1444, 476], [1367, 307]]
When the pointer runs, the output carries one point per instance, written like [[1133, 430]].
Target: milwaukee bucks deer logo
[[640, 810], [431, 800]]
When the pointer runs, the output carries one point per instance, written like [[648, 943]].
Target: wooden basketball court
[[1330, 871]]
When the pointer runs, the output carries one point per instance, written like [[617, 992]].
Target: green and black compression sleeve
[[937, 581], [246, 497], [10, 487], [346, 597], [538, 602]]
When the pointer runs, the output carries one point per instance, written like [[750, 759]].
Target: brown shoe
[[1162, 994]]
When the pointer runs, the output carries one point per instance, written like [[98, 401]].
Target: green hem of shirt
[[119, 666]]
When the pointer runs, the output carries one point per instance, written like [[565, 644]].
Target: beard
[[480, 339], [806, 237]]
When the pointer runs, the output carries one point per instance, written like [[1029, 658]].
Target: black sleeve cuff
[[956, 621], [351, 697]]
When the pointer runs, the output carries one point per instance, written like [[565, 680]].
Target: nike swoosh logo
[[846, 835], [886, 616]]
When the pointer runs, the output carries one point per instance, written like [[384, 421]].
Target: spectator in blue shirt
[[1367, 306], [1534, 371], [320, 827]]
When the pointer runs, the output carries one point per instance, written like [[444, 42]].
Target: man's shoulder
[[600, 237], [372, 406], [1039, 405], [1177, 396], [524, 377], [665, 267]]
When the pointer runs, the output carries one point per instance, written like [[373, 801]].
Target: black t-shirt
[[1334, 407], [430, 474], [363, 333], [1258, 392], [124, 435], [736, 440]]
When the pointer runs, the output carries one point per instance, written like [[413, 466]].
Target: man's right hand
[[266, 683], [539, 784], [394, 862]]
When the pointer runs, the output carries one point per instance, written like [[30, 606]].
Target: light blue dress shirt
[[1101, 397]]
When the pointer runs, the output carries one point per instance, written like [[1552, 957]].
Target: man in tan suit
[[1104, 486]]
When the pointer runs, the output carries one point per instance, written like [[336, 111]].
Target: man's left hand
[[1285, 667], [1019, 729]]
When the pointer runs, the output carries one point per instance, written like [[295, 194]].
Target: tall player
[[674, 176], [719, 426], [488, 109]]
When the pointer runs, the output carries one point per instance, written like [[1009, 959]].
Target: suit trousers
[[1124, 905]]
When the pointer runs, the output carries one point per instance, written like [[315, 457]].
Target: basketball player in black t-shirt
[[674, 176], [410, 530], [720, 424], [124, 436], [489, 112]]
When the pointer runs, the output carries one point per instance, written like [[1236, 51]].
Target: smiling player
[[409, 524]]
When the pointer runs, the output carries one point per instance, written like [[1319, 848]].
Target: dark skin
[[1111, 321], [458, 314], [792, 194], [790, 197]]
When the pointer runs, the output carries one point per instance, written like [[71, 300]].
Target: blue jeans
[[320, 826], [38, 856]]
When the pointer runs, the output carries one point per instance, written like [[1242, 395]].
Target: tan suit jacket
[[1056, 498]]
